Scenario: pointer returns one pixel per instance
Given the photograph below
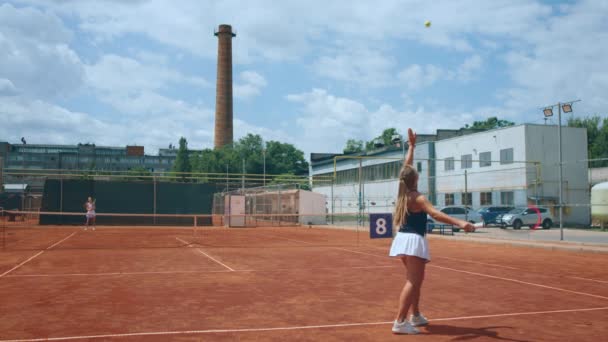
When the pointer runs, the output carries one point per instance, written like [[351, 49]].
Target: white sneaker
[[85, 228], [93, 228], [418, 321], [404, 328]]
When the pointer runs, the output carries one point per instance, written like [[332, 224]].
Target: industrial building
[[515, 165]]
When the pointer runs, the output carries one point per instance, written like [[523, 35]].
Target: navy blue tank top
[[415, 223]]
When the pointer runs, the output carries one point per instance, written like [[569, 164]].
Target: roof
[[15, 187]]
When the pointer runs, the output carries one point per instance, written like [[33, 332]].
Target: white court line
[[219, 262], [520, 281], [32, 257], [598, 281], [476, 262], [21, 264], [184, 241], [205, 254], [55, 244], [200, 271], [462, 260], [301, 327], [481, 274]]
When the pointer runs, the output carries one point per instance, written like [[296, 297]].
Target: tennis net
[[41, 230]]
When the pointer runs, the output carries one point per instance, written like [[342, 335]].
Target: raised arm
[[411, 137], [424, 203]]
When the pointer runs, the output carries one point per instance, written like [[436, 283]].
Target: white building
[[515, 165], [369, 182]]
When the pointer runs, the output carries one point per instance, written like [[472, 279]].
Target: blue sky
[[311, 73]]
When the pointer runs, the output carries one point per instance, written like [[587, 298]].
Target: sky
[[310, 73]]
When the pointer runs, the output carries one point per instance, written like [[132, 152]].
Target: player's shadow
[[464, 333]]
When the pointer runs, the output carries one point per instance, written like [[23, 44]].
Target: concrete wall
[[542, 144]]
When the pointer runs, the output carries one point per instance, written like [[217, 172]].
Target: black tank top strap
[[414, 223]]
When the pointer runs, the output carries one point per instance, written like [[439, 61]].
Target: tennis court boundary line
[[301, 327], [49, 275], [205, 254], [475, 273], [36, 255]]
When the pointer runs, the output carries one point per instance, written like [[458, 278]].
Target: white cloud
[[466, 71], [7, 87], [563, 63], [365, 67], [416, 76], [326, 121], [45, 123], [118, 74], [34, 53], [250, 85], [290, 30]]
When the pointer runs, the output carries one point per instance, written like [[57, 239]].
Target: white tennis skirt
[[91, 213], [410, 244]]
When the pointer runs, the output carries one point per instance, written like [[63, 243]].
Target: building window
[[466, 161], [467, 199], [506, 156], [506, 198], [485, 198], [449, 199], [449, 163], [419, 166], [485, 159]]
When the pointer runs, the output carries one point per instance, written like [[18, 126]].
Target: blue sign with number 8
[[380, 226]]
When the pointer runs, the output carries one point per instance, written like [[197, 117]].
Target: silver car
[[524, 216], [460, 212]]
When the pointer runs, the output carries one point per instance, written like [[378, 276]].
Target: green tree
[[284, 158], [385, 138], [597, 137], [490, 123], [281, 158], [353, 146], [141, 172], [182, 160]]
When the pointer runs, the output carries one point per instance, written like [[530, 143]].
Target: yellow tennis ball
[[427, 23]]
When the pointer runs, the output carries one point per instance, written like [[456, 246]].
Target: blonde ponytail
[[401, 206], [408, 178]]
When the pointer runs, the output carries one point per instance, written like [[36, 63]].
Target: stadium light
[[548, 111]]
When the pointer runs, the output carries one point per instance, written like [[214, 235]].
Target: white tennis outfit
[[410, 244], [90, 210], [410, 239]]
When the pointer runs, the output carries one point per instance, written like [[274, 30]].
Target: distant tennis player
[[90, 207], [410, 243]]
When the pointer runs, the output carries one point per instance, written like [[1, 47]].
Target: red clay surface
[[280, 284]]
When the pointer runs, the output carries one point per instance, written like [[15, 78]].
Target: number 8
[[381, 226]]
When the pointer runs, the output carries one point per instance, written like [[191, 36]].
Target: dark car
[[490, 214]]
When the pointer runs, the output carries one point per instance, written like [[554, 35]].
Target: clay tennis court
[[285, 283]]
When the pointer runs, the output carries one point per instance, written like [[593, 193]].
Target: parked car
[[525, 216], [489, 214], [459, 212]]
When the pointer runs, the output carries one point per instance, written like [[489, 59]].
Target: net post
[[1, 174], [195, 230], [2, 217]]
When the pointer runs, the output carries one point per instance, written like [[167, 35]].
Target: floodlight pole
[[559, 137], [559, 147]]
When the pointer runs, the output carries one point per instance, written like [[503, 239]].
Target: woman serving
[[410, 243]]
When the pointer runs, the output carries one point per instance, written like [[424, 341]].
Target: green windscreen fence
[[125, 197]]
